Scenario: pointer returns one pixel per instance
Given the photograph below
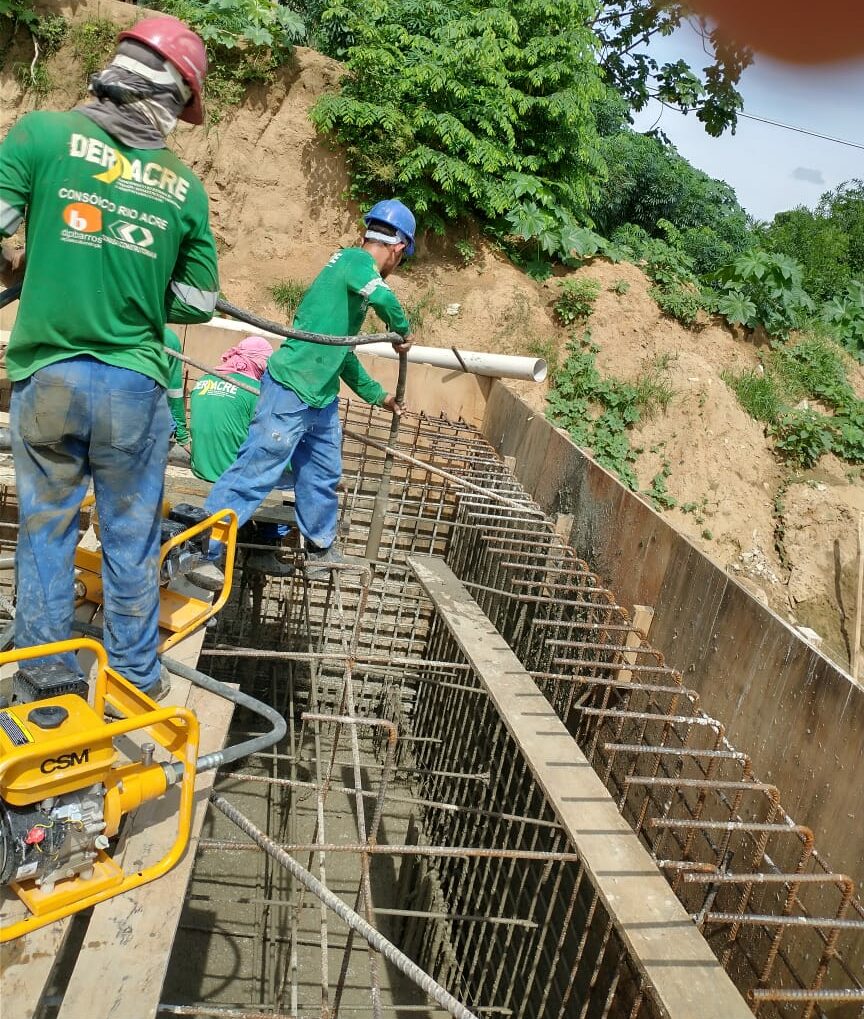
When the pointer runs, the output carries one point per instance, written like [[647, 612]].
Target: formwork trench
[[405, 789]]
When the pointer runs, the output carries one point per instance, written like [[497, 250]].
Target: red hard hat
[[180, 46]]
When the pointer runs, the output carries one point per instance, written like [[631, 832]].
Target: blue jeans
[[71, 421], [286, 430]]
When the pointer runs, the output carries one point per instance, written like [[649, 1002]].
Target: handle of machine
[[379, 510], [10, 295], [208, 762], [238, 750]]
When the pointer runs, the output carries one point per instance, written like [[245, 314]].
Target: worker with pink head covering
[[248, 358], [220, 411], [220, 414]]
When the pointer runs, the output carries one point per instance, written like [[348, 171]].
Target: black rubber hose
[[10, 295], [13, 293], [298, 334], [237, 751]]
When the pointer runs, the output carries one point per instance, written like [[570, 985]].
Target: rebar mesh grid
[[442, 841], [780, 923]]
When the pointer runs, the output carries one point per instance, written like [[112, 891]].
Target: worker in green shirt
[[221, 412], [297, 419], [118, 243], [174, 392]]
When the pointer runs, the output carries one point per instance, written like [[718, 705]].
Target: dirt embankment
[[279, 208]]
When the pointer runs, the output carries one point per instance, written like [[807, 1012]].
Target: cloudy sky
[[771, 168]]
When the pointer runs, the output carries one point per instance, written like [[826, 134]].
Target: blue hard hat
[[392, 212]]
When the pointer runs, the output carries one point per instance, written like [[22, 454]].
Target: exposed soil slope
[[279, 210]]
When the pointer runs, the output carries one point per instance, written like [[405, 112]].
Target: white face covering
[[163, 117], [139, 97], [376, 235]]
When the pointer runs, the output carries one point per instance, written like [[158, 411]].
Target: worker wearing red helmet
[[118, 242]]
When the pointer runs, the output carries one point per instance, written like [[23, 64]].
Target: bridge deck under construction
[[490, 764]]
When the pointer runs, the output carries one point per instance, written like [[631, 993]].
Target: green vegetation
[[812, 369], [287, 295], [428, 303], [764, 288], [624, 29], [658, 493], [599, 412], [757, 393], [93, 43], [464, 110], [47, 31], [467, 250], [577, 300], [247, 41]]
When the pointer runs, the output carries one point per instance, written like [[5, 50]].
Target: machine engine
[[65, 787], [58, 836]]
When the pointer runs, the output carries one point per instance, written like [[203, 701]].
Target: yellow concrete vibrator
[[64, 788], [67, 778], [186, 533]]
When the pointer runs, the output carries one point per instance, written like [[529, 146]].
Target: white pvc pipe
[[498, 366]]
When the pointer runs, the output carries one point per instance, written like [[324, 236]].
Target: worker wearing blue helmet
[[297, 416]]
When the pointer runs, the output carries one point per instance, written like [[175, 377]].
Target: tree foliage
[[625, 29], [460, 110], [247, 40], [649, 184], [764, 288], [819, 244]]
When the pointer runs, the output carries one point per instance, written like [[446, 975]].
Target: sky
[[772, 169]]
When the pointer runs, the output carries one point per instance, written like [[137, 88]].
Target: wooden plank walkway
[[662, 941]]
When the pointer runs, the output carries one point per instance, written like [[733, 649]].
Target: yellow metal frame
[[173, 728], [180, 614]]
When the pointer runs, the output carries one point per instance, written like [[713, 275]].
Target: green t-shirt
[[118, 243], [174, 392], [220, 415], [336, 303]]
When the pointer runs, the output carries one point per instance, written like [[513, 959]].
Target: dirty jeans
[[285, 430], [71, 421]]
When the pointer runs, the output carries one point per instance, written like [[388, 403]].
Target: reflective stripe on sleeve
[[174, 394], [373, 285], [10, 218], [200, 300]]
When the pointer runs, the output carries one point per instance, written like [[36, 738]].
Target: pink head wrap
[[249, 357]]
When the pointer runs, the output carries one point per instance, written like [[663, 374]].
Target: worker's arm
[[388, 308], [16, 183], [367, 282], [176, 403], [174, 392], [194, 285], [355, 376]]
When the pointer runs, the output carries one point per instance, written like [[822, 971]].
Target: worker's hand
[[12, 264], [403, 347], [390, 404]]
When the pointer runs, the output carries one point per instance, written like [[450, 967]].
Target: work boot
[[268, 563], [318, 561], [207, 576], [157, 692]]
